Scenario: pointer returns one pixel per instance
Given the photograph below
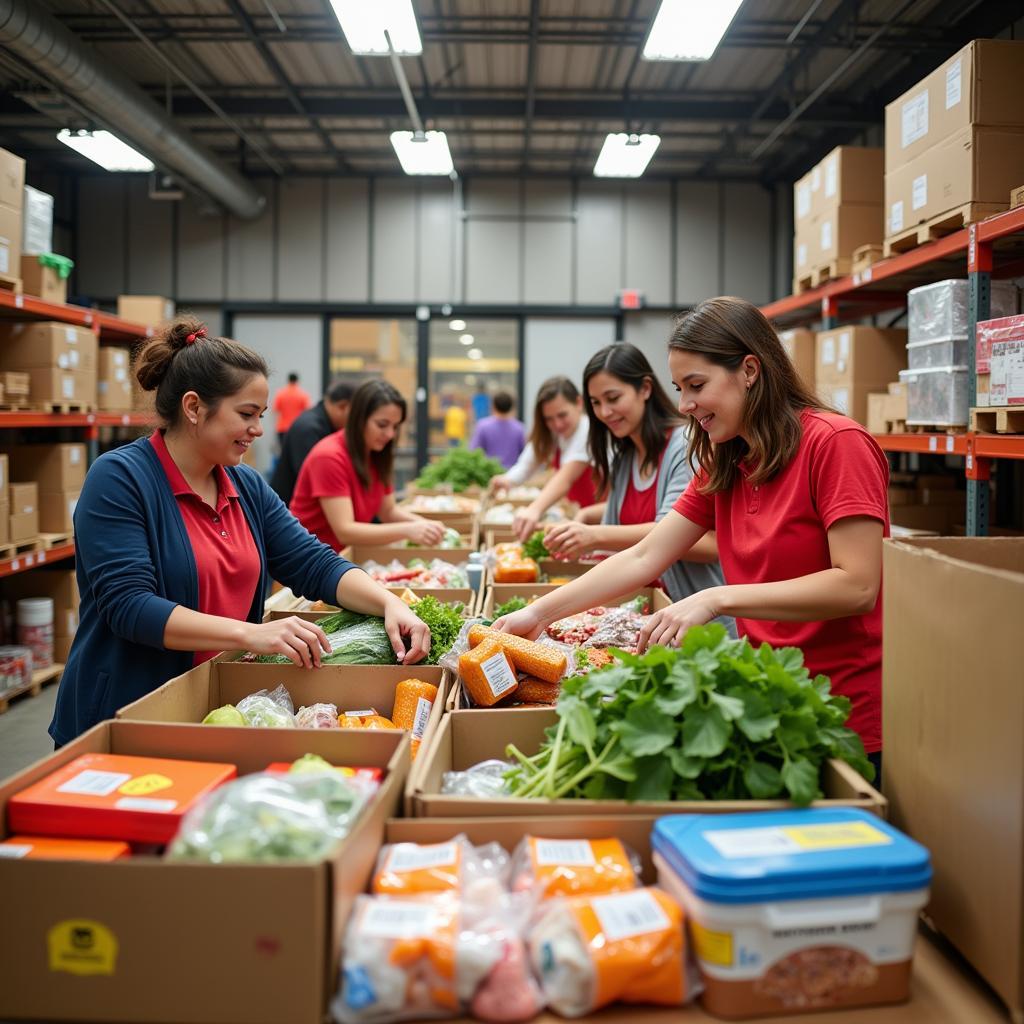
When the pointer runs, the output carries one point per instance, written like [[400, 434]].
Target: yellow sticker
[[837, 836], [79, 946], [143, 785], [712, 947]]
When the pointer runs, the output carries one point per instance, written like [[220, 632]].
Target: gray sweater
[[681, 579]]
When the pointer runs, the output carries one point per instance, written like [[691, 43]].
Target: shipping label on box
[[1006, 328], [63, 387], [1007, 379], [851, 176]]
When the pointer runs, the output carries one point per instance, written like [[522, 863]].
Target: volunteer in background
[[481, 403], [176, 542], [455, 424], [346, 480], [558, 439], [797, 496], [637, 445], [289, 404], [500, 436], [327, 416]]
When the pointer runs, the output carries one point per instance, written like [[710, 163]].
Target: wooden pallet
[[998, 420], [64, 407], [819, 275], [939, 225], [864, 257], [9, 283], [7, 406], [21, 547], [931, 428], [54, 540], [39, 679]]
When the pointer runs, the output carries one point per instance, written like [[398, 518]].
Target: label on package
[[914, 119], [625, 914], [120, 375], [421, 717], [844, 345], [145, 803], [775, 840], [896, 216], [919, 192], [408, 857], [74, 455], [71, 335], [816, 179], [801, 255], [826, 235], [828, 351], [841, 400], [14, 851], [364, 713], [500, 677], [5, 256], [396, 919], [67, 387], [1007, 381], [832, 175], [90, 782], [954, 80], [803, 199], [570, 853]]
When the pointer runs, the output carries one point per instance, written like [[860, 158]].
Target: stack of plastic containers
[[939, 351]]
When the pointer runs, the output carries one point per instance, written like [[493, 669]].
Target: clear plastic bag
[[574, 867], [485, 780], [317, 716], [268, 709], [405, 869]]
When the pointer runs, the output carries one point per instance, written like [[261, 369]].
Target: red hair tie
[[201, 333]]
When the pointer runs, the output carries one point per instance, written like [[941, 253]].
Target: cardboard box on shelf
[[150, 310], [113, 380], [979, 85], [23, 497], [5, 523], [16, 384], [1017, 197], [47, 345], [63, 387], [10, 240], [5, 479], [1006, 380], [955, 752], [839, 231], [799, 346], [12, 180], [60, 585], [850, 175], [53, 467], [23, 526], [273, 930], [57, 511], [886, 408], [37, 234], [853, 362], [43, 282], [802, 201]]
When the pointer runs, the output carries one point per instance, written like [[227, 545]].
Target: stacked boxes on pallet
[[12, 198], [60, 360], [58, 471], [854, 361], [24, 510], [151, 311], [113, 384], [799, 346]]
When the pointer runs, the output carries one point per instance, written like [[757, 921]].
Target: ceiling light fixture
[[106, 150], [364, 23], [423, 153], [689, 29], [475, 353], [466, 339], [625, 156], [457, 325]]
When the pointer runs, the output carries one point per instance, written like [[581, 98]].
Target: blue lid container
[[789, 855]]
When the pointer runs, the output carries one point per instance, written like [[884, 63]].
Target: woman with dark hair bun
[[347, 480], [177, 542]]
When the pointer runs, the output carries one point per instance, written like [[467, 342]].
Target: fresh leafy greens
[[534, 546], [513, 604], [460, 467]]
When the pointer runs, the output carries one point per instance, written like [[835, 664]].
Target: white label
[[74, 455], [120, 375], [73, 358], [914, 119], [145, 803], [570, 853], [816, 179], [5, 257], [919, 192], [828, 351], [396, 919], [1006, 385], [803, 199], [409, 857], [500, 678], [64, 361], [841, 400], [14, 851], [774, 840], [67, 387], [71, 335], [751, 842], [844, 345], [359, 714], [896, 216], [420, 719], [623, 915], [954, 79], [801, 255], [91, 782], [832, 175], [826, 235]]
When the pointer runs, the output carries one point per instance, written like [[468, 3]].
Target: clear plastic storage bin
[[923, 355], [940, 310], [937, 396]]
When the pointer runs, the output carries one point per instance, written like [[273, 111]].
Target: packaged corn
[[541, 660], [414, 700], [574, 867], [487, 673]]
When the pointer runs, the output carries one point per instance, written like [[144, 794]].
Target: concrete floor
[[23, 736]]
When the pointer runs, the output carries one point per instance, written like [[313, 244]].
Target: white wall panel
[[102, 259], [394, 242], [493, 246], [300, 242], [599, 243], [648, 217], [698, 246], [436, 257], [150, 234], [650, 333], [547, 238], [251, 255], [200, 252], [348, 240], [747, 242]]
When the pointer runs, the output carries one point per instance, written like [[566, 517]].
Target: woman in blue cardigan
[[176, 542]]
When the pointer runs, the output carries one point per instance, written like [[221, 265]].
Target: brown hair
[[541, 438], [368, 398], [725, 331], [181, 357]]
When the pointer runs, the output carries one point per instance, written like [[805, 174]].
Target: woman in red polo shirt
[[797, 497], [346, 481]]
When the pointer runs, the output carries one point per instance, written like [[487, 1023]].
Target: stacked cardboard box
[[24, 506], [956, 138], [58, 472], [5, 500], [999, 361], [799, 346], [926, 501], [113, 382], [838, 208], [60, 360], [852, 362], [149, 310], [12, 198], [887, 407], [42, 280]]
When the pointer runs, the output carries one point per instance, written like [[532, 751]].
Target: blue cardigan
[[135, 565]]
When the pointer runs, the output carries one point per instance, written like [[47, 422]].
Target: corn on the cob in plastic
[[487, 673], [413, 700]]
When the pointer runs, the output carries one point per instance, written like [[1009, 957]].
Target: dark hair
[[293, 378], [627, 363], [502, 402], [214, 368], [340, 391], [725, 331], [368, 398], [540, 437]]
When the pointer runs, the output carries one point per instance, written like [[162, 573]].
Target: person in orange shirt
[[289, 404]]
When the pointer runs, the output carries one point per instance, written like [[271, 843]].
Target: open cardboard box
[[386, 553], [466, 737], [188, 943]]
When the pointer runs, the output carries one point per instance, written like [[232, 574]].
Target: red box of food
[[1005, 328], [48, 848]]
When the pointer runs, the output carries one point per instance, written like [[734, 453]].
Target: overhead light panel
[[475, 353], [106, 150], [457, 325], [689, 29], [467, 339], [364, 23], [625, 156], [423, 153]]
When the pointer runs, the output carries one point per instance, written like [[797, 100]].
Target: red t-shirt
[[583, 491], [328, 473], [778, 531], [289, 404], [227, 561], [641, 506]]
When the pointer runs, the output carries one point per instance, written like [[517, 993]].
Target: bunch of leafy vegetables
[[715, 719], [460, 467], [513, 604], [444, 620], [534, 546]]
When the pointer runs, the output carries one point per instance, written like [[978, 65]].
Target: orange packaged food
[[112, 796], [409, 869], [519, 570], [487, 673], [368, 719], [48, 848], [574, 867], [510, 549], [538, 691], [527, 656], [414, 700]]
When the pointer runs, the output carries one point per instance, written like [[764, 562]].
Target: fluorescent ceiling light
[[467, 339], [475, 353], [106, 150], [457, 325], [365, 21], [689, 29], [424, 154], [625, 156]]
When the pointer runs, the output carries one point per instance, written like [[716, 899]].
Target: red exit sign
[[631, 298]]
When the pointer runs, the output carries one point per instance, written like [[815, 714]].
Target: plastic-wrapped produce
[[405, 869], [574, 867], [268, 710], [940, 310], [317, 716], [485, 780]]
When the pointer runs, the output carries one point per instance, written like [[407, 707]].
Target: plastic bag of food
[[317, 716], [630, 947], [486, 780], [268, 710], [409, 869], [574, 867]]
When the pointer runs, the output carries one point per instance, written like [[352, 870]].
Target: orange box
[[48, 848], [114, 796]]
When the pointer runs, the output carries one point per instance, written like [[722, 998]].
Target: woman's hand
[[524, 622], [498, 483], [569, 540], [669, 626], [400, 621], [525, 522], [300, 641], [425, 532]]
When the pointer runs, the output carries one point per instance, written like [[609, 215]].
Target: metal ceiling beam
[[531, 79]]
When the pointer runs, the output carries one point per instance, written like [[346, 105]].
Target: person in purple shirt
[[500, 435]]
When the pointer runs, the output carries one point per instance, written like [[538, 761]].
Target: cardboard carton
[[5, 479], [799, 346], [853, 362], [63, 387], [953, 715], [150, 310], [845, 228], [53, 467], [10, 240], [12, 180], [113, 381], [850, 175], [5, 523], [30, 346], [23, 526], [24, 498], [37, 236], [16, 385], [42, 281], [57, 511]]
